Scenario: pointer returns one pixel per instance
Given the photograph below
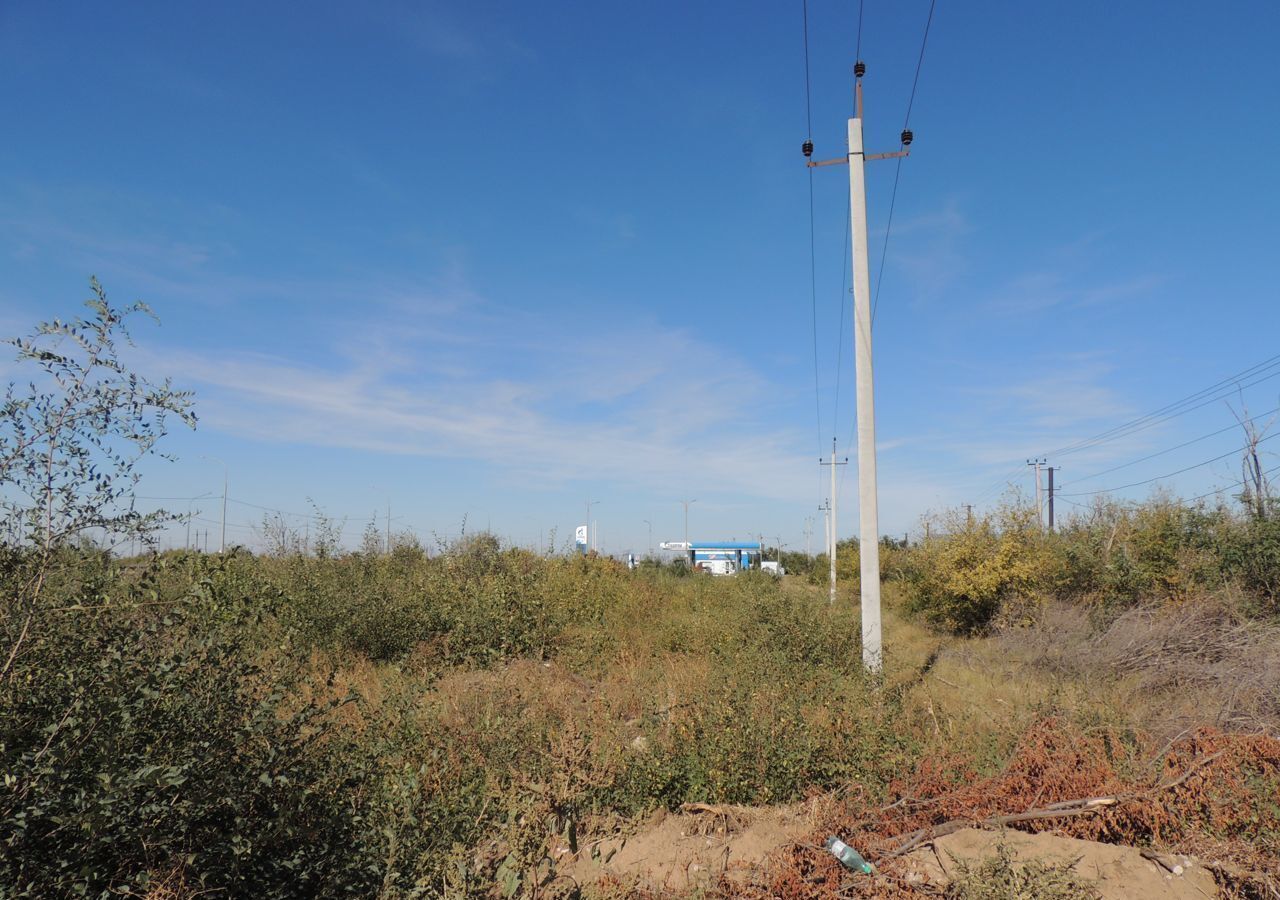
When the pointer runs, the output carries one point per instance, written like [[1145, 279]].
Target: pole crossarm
[[844, 160]]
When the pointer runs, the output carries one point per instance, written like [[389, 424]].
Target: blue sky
[[491, 260]]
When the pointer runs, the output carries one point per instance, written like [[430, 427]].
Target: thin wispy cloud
[[586, 406], [925, 251], [1036, 292]]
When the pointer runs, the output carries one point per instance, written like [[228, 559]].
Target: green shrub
[[960, 581], [143, 743], [1252, 557]]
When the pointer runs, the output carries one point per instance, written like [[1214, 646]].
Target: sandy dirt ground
[[678, 852], [1120, 873]]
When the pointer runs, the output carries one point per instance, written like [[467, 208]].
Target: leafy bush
[[143, 743], [1252, 557], [1113, 557], [961, 581]]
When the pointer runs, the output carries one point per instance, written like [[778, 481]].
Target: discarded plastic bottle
[[849, 858]]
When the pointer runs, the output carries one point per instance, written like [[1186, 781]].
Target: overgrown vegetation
[[1001, 568], [392, 722], [1003, 877]]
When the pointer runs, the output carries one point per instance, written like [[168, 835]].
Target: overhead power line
[[813, 243], [1219, 390], [808, 102], [1259, 372], [897, 171], [1198, 465], [1273, 470], [845, 252], [1149, 456], [915, 82], [283, 512]]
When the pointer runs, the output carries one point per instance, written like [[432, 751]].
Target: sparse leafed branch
[[71, 440], [1256, 494]]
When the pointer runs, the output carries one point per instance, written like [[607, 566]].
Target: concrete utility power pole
[[826, 525], [650, 524], [222, 539], [1051, 468], [1037, 463], [833, 535], [808, 532], [587, 521], [868, 504]]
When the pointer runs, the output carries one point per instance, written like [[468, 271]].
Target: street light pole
[[686, 525]]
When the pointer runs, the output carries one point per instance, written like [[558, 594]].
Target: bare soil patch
[[1117, 872], [702, 845]]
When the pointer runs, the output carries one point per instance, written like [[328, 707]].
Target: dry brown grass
[[1180, 666], [1210, 794]]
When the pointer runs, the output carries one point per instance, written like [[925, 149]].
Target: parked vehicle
[[718, 567]]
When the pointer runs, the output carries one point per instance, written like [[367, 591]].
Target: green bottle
[[849, 858]]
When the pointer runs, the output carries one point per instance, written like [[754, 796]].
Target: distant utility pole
[[686, 524], [1037, 463], [826, 525], [808, 531], [831, 556], [222, 540], [868, 508], [388, 526], [1051, 468], [650, 524], [968, 508], [587, 521]]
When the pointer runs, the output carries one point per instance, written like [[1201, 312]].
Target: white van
[[718, 566]]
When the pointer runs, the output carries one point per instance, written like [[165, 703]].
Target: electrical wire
[[808, 103], [813, 244], [884, 249], [845, 253], [897, 172], [857, 51], [915, 82], [1179, 407], [272, 509], [1198, 465], [1150, 456], [1273, 470], [1197, 400]]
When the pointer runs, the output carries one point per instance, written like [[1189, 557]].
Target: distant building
[[742, 554]]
